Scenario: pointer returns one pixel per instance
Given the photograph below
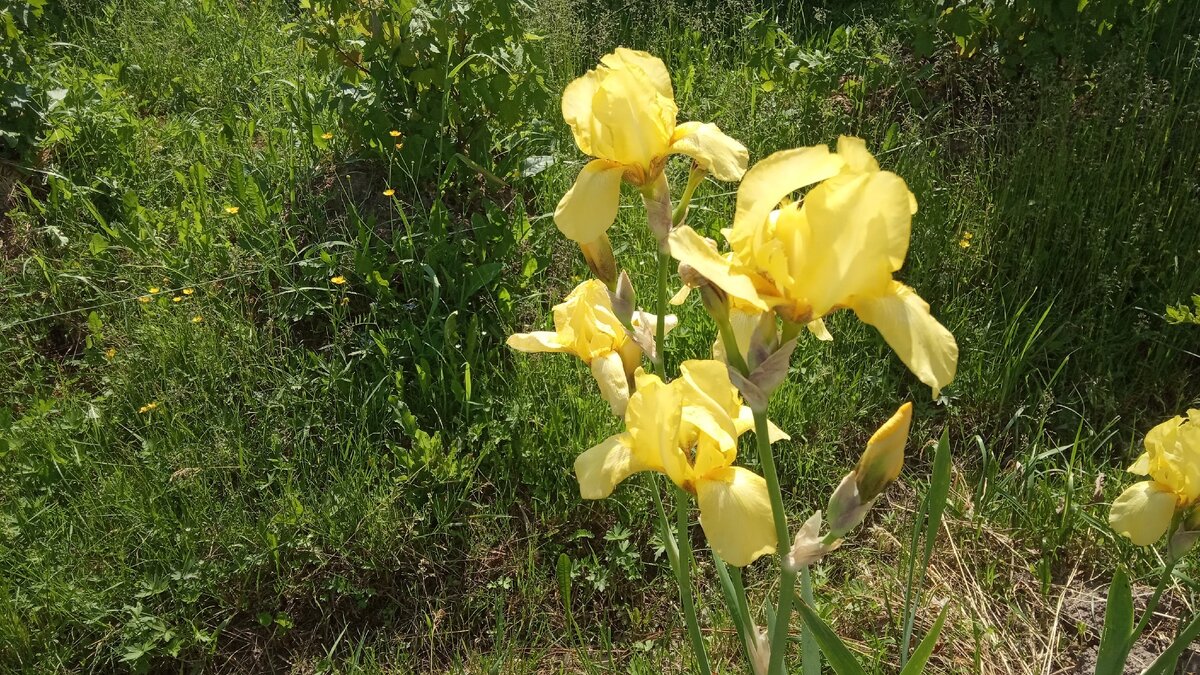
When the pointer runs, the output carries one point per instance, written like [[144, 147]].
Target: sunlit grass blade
[[836, 651], [930, 517], [920, 655]]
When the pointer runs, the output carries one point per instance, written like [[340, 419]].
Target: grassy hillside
[[257, 415]]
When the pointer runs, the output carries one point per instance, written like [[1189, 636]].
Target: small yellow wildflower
[[178, 298], [339, 280], [394, 133], [197, 319], [345, 301], [327, 135], [965, 242], [389, 192], [189, 291], [148, 407], [110, 353], [232, 210], [154, 289], [399, 146], [143, 298]]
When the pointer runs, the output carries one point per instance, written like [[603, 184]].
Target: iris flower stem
[[787, 578], [1153, 602], [660, 330], [683, 576], [658, 211]]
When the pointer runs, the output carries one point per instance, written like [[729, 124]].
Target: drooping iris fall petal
[[1143, 512], [735, 513]]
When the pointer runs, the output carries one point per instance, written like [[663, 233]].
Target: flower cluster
[[793, 259]]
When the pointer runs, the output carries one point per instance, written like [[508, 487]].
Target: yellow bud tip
[[884, 457], [389, 192], [197, 319]]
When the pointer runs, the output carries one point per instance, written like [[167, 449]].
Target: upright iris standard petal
[[776, 177], [923, 344], [1143, 512], [589, 208], [623, 112], [735, 513]]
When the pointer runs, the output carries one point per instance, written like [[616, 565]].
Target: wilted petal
[[715, 152], [923, 344], [735, 513], [1143, 512], [590, 206]]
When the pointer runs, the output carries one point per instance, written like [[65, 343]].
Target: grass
[[360, 478]]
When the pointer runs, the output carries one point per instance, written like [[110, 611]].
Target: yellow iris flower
[[838, 248], [688, 430], [1144, 510], [622, 113], [585, 325]]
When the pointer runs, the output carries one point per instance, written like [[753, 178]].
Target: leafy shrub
[[457, 79], [1027, 33], [23, 37]]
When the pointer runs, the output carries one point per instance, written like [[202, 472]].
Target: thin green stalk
[[660, 330], [657, 200], [810, 656], [787, 578], [664, 528], [694, 179], [1153, 603], [743, 607], [683, 576], [732, 353]]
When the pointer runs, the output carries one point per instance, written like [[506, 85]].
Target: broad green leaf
[[831, 645], [920, 655], [564, 580], [1118, 627], [939, 487]]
